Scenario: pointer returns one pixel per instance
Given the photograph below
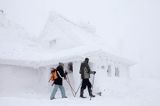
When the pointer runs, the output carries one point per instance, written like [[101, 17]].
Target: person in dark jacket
[[85, 72], [58, 83]]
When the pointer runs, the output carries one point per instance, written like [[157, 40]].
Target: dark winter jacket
[[58, 81], [85, 70]]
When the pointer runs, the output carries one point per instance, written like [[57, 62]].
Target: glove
[[65, 78], [66, 73], [94, 72]]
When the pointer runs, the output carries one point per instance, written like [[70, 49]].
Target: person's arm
[[64, 74], [61, 72], [90, 71]]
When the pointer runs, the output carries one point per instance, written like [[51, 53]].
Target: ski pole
[[78, 89], [72, 90], [93, 81], [68, 81]]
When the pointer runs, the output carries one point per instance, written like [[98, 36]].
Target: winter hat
[[86, 59], [61, 64]]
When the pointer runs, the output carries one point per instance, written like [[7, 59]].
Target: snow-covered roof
[[66, 34], [50, 58], [72, 43]]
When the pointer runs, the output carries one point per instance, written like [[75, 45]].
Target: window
[[1, 11], [70, 67], [52, 42], [117, 72], [109, 71], [102, 67]]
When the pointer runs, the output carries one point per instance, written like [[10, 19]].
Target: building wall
[[112, 68], [124, 71], [15, 80], [43, 75]]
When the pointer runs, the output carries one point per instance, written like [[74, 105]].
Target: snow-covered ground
[[139, 92]]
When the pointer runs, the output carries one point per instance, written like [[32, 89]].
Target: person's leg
[[89, 88], [62, 91], [82, 88], [54, 92]]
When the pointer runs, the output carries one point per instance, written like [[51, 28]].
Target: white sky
[[136, 23]]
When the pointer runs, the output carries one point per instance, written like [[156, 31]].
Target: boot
[[81, 93], [90, 92]]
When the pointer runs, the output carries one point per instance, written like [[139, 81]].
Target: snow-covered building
[[25, 62]]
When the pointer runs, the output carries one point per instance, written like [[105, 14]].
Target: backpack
[[54, 75]]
